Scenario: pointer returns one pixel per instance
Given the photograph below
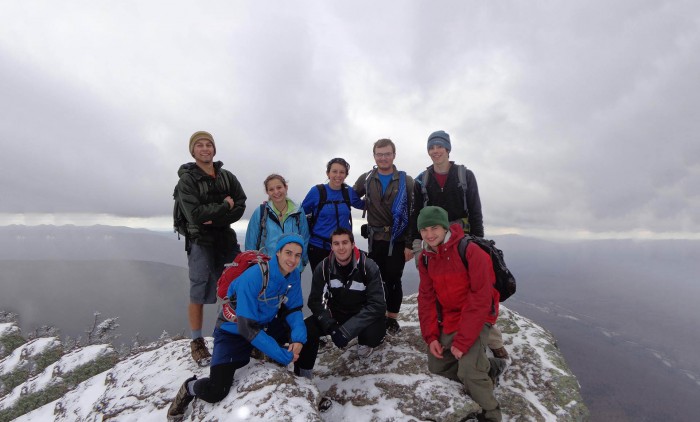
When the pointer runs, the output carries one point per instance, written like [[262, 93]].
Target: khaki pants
[[472, 370]]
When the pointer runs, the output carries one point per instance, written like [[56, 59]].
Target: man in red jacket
[[456, 307]]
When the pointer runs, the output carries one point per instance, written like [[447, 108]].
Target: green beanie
[[433, 216]]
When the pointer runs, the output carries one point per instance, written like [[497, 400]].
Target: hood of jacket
[[192, 167]]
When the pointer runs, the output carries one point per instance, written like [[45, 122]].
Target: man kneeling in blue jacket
[[264, 320]]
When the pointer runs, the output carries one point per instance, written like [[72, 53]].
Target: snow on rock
[[21, 355], [7, 328], [54, 373], [392, 384], [10, 338]]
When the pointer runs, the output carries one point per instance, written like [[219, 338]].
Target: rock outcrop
[[392, 384]]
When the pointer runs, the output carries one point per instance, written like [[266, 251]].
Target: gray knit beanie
[[441, 138]]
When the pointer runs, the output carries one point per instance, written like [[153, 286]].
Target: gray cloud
[[574, 117]]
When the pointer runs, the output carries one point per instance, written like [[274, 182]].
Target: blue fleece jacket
[[294, 223], [328, 220]]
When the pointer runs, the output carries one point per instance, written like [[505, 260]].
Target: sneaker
[[392, 326], [498, 366], [364, 351], [500, 353], [325, 404], [200, 353], [176, 411]]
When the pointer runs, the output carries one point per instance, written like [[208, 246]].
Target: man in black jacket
[[347, 301], [211, 199]]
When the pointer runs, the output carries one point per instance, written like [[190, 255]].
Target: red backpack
[[242, 262]]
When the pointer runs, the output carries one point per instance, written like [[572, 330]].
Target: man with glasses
[[388, 196]]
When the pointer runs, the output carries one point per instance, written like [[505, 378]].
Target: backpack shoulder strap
[[265, 270], [462, 250], [225, 176], [345, 189], [322, 198], [262, 233], [424, 185], [462, 180], [367, 199]]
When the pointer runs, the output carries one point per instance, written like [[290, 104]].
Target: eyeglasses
[[383, 154]]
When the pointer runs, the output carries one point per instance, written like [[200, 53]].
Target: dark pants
[[231, 352], [391, 268], [371, 336], [206, 262], [316, 255]]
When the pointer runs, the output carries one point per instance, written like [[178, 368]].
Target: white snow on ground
[[7, 328], [141, 387], [26, 351], [52, 373]]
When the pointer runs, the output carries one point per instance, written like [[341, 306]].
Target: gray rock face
[[392, 384], [537, 385]]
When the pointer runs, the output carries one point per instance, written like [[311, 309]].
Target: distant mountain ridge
[[70, 243]]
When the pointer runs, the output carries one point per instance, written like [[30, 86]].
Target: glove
[[338, 337], [327, 323]]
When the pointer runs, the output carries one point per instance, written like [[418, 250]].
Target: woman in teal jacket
[[269, 319], [277, 216]]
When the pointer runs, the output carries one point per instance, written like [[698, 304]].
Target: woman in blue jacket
[[329, 208], [269, 319], [275, 217]]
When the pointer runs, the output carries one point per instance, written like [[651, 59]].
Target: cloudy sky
[[578, 118]]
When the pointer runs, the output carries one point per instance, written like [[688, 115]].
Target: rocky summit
[[391, 384]]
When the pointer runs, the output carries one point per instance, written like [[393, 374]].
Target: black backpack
[[505, 281]]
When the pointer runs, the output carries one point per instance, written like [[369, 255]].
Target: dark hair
[[274, 176], [340, 161], [341, 231], [384, 142]]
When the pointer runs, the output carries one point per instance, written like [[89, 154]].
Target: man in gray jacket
[[388, 196]]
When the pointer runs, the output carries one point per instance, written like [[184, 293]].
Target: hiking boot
[[200, 353], [392, 326], [498, 366], [363, 351], [500, 353], [176, 411], [325, 404]]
